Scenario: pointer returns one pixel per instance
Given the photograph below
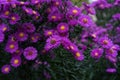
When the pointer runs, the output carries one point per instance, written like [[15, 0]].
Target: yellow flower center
[[75, 11], [72, 47], [36, 1], [62, 27], [7, 13], [22, 2], [17, 51], [96, 54], [5, 28], [85, 20], [16, 61], [49, 33], [53, 17], [21, 34], [12, 46], [105, 42], [13, 18], [77, 54], [57, 3], [34, 12], [6, 69], [33, 38], [53, 41]]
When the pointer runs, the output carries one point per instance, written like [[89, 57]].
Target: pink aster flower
[[5, 69], [27, 10], [35, 1], [18, 52], [15, 61], [105, 42], [29, 27], [111, 70], [11, 46], [14, 18], [96, 53], [35, 37], [30, 53], [52, 42], [5, 14], [48, 32], [75, 11], [21, 35], [8, 1], [62, 27], [3, 27], [85, 21], [111, 58], [78, 55]]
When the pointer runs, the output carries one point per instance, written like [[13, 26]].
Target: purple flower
[[5, 14], [117, 2], [3, 27], [89, 8], [14, 18], [75, 11], [21, 35], [48, 32], [5, 69], [55, 17], [62, 27], [73, 22], [27, 10], [30, 53], [96, 53], [79, 55], [105, 42], [85, 20], [15, 61], [35, 1], [18, 52], [35, 37], [111, 70], [111, 58], [1, 37], [8, 1], [52, 42], [29, 27], [11, 46]]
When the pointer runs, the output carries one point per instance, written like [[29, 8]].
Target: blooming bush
[[33, 32]]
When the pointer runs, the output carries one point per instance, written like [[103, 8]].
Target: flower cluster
[[26, 24], [112, 28]]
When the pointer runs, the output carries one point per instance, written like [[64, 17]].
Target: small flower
[[30, 53], [3, 28], [79, 55], [5, 69], [48, 32], [96, 53], [105, 42], [29, 27], [75, 11], [52, 42], [85, 21], [21, 35], [14, 18], [15, 61], [11, 46], [111, 70], [62, 27], [35, 37]]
